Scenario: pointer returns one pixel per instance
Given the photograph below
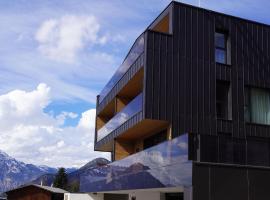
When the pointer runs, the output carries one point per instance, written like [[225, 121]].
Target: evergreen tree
[[74, 187], [61, 179]]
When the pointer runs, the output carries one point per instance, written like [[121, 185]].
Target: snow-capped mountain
[[14, 173], [73, 176]]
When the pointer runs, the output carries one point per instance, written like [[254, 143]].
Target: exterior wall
[[97, 196], [145, 195], [29, 193], [180, 87], [115, 196], [222, 183], [77, 196], [181, 71]]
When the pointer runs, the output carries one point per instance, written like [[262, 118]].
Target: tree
[[74, 187], [61, 179]]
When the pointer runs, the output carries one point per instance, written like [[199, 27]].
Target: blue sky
[[56, 56]]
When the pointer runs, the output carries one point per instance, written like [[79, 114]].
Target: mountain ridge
[[73, 177], [14, 173]]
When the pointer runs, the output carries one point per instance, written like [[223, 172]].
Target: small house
[[36, 192]]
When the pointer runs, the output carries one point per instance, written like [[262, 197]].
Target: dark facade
[[203, 73]]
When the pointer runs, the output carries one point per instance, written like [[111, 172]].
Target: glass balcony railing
[[164, 165], [131, 109], [134, 53]]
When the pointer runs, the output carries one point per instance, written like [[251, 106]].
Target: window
[[223, 100], [257, 105], [221, 53], [174, 196], [155, 139]]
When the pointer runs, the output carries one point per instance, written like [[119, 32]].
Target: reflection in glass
[[220, 40], [221, 47], [260, 106], [221, 56], [133, 54], [131, 109], [164, 165]]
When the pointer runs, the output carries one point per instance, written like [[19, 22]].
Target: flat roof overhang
[[167, 189]]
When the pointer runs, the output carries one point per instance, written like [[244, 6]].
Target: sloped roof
[[47, 188], [51, 189]]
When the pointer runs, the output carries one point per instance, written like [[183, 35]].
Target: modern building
[[187, 114], [36, 192]]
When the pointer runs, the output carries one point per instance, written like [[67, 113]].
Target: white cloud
[[61, 39], [64, 115], [30, 135]]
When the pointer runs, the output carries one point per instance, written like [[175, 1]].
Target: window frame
[[247, 104], [225, 48], [228, 102]]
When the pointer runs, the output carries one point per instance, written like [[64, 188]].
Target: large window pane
[[260, 106]]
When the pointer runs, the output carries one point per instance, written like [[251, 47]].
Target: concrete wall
[[145, 195], [74, 196]]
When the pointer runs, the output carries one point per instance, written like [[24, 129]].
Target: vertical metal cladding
[[181, 71]]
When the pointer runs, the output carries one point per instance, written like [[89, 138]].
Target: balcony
[[137, 124], [164, 165], [134, 53], [121, 117]]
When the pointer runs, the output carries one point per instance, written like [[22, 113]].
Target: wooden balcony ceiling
[[145, 128]]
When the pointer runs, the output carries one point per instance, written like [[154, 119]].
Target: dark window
[[223, 100], [155, 139], [221, 47], [174, 196], [257, 105], [115, 196]]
